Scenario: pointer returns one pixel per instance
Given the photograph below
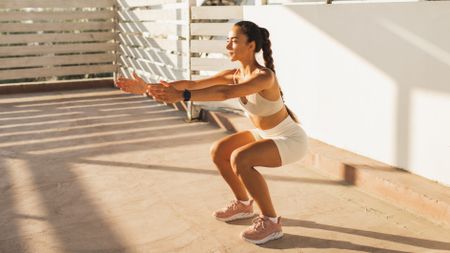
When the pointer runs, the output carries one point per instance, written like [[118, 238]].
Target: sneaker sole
[[237, 216], [273, 236]]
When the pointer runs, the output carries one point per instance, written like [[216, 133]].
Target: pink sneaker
[[262, 230], [235, 211]]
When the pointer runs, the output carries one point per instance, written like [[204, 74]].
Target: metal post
[[116, 41], [192, 111], [260, 2]]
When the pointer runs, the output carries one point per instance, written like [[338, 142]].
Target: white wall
[[372, 78]]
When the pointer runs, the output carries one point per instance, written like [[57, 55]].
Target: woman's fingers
[[130, 85], [122, 85], [119, 84], [138, 78], [164, 83], [131, 88], [157, 98], [135, 75], [157, 93], [154, 88], [125, 82]]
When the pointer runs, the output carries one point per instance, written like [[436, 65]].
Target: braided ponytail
[[268, 62], [267, 49], [260, 36]]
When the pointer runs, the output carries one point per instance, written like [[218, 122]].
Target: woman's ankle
[[245, 202]]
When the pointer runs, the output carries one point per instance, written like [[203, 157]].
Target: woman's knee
[[221, 150], [217, 153], [240, 161]]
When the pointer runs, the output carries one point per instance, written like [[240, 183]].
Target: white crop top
[[258, 105]]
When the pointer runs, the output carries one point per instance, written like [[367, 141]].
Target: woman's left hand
[[165, 92]]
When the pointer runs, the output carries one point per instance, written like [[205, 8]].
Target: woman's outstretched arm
[[167, 93], [138, 86], [221, 78]]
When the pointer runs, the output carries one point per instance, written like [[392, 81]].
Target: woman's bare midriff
[[271, 121]]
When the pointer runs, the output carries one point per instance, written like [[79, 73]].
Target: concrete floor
[[102, 171]]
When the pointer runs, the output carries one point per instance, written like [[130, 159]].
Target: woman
[[277, 140]]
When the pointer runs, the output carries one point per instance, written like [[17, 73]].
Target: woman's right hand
[[135, 86]]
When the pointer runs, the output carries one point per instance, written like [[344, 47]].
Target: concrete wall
[[372, 78]]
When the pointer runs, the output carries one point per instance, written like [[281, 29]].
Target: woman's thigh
[[223, 148], [263, 153]]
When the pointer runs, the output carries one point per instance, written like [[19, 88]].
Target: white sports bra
[[258, 105]]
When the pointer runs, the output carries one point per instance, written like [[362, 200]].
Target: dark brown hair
[[260, 36]]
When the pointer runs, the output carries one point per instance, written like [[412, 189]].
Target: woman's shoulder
[[233, 70], [227, 74], [267, 73], [266, 70], [230, 72]]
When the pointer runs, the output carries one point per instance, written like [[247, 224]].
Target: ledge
[[56, 85], [401, 188]]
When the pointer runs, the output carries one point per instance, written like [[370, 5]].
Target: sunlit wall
[[372, 78]]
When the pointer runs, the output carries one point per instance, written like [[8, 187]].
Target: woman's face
[[237, 46]]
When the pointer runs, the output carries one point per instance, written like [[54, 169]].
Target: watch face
[[186, 95]]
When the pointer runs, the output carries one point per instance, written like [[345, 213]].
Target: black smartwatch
[[186, 95]]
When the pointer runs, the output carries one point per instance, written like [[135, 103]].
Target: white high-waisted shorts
[[289, 137]]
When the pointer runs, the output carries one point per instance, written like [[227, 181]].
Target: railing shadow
[[112, 164], [136, 46], [9, 225], [49, 157]]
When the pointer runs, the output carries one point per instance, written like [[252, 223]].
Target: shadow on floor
[[298, 241]]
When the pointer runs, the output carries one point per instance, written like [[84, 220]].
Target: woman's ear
[[252, 45]]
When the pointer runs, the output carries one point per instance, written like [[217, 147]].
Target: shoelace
[[232, 205], [258, 223]]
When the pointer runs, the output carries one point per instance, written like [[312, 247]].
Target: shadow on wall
[[415, 56]]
